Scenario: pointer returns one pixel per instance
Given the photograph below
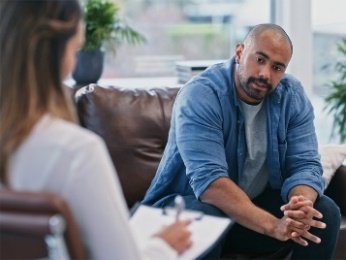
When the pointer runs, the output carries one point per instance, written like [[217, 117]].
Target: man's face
[[261, 65]]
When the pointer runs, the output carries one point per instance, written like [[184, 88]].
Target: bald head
[[274, 30], [261, 61]]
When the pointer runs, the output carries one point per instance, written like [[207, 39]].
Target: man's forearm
[[303, 190], [224, 194]]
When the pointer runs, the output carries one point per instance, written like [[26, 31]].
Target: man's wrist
[[305, 191], [269, 226]]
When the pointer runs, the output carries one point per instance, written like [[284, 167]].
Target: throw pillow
[[332, 156]]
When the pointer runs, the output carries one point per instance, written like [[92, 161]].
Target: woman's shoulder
[[54, 146], [58, 132]]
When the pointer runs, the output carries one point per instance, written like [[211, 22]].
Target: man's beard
[[256, 94]]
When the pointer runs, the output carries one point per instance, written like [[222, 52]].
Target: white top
[[61, 157]]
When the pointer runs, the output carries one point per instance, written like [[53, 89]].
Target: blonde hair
[[33, 37]]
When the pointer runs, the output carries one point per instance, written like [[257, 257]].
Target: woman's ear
[[238, 52]]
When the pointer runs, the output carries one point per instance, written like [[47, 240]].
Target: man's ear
[[238, 52]]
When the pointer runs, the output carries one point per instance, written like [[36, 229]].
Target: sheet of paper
[[205, 229]]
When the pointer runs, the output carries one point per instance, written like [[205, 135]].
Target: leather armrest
[[337, 189]]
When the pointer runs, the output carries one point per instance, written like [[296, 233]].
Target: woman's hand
[[177, 235]]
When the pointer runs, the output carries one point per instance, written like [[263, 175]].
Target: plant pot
[[89, 66]]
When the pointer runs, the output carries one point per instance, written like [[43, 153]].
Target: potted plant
[[336, 100], [103, 27]]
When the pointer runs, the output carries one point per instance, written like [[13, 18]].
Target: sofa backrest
[[134, 124]]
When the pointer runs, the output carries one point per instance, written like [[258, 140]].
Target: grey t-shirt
[[255, 174]]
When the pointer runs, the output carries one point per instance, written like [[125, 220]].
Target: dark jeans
[[242, 240]]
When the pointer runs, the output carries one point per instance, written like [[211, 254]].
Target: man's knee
[[330, 211]]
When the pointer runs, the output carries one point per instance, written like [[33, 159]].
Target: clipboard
[[206, 230]]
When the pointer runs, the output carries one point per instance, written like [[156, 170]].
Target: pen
[[179, 206]]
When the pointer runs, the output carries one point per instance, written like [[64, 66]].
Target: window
[[182, 30], [329, 27]]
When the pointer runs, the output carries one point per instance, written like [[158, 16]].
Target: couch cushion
[[332, 156], [134, 124]]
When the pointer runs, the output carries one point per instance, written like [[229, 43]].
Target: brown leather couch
[[134, 124]]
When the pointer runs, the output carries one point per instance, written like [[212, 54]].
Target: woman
[[41, 147]]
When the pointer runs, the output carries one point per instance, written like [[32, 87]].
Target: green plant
[[102, 25], [336, 100]]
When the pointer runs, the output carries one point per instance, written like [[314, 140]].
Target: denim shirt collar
[[232, 87]]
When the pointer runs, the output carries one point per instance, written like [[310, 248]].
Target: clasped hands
[[299, 217]]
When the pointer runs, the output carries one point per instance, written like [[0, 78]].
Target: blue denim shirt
[[207, 138]]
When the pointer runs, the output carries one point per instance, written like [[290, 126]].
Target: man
[[242, 134]]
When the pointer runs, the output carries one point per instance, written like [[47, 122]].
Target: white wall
[[295, 18]]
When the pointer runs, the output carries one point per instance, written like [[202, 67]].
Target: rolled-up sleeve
[[303, 165], [200, 141]]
